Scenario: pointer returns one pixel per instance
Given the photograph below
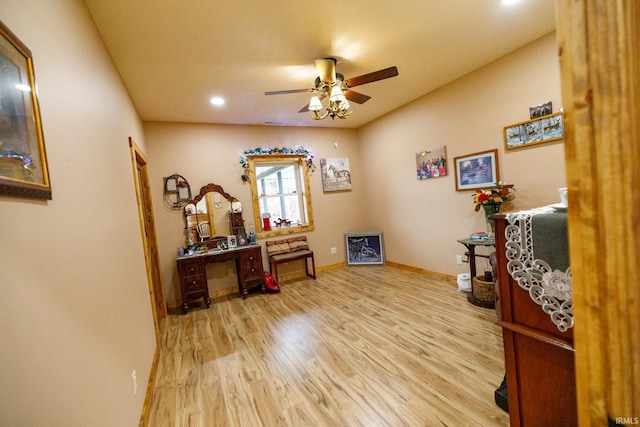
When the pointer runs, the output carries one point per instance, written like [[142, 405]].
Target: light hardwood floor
[[359, 346]]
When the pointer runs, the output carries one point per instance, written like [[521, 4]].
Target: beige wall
[[211, 153], [421, 220], [75, 311]]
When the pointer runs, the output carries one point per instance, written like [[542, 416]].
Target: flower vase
[[490, 209]]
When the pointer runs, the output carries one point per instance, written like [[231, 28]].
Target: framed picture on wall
[[431, 163], [540, 110], [364, 248], [336, 175], [531, 132], [23, 162], [477, 170]]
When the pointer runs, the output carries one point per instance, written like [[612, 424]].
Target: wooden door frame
[[138, 157], [598, 45]]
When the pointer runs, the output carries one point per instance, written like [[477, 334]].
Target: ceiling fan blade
[[372, 77], [283, 92], [326, 68], [358, 98]]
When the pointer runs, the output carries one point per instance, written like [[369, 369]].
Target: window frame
[[287, 159]]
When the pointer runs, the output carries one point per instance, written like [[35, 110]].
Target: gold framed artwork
[[23, 160], [536, 131]]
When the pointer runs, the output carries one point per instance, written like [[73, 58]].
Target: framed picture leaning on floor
[[364, 248]]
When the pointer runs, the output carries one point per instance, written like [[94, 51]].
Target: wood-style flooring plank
[[359, 346]]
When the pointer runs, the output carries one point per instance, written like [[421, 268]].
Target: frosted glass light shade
[[315, 104], [336, 94]]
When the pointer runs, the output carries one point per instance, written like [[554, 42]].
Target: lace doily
[[551, 289]]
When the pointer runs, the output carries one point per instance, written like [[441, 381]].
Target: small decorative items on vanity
[[491, 199]]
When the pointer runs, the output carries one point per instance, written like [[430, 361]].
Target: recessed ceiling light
[[216, 100], [510, 2]]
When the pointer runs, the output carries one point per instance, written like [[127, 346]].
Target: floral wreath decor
[[274, 151]]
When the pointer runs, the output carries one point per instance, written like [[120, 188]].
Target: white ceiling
[[174, 55]]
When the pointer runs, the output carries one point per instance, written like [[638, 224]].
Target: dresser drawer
[[192, 267], [251, 264], [194, 284]]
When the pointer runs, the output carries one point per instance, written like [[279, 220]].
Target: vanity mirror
[[213, 212]]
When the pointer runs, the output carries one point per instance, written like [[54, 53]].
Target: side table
[[471, 254]]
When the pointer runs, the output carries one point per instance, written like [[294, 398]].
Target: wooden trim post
[[598, 43]]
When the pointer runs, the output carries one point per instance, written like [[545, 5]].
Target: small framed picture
[[364, 248], [241, 238], [477, 170], [431, 163], [232, 241], [544, 109]]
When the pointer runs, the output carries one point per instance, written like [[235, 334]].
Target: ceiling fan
[[333, 85]]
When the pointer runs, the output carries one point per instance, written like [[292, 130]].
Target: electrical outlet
[[134, 380], [459, 259], [334, 251]]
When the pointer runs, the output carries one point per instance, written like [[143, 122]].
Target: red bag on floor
[[271, 283]]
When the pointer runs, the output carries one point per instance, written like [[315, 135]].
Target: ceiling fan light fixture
[[330, 84], [338, 105]]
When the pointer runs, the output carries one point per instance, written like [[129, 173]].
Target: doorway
[[149, 240]]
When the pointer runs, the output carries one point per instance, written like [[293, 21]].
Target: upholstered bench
[[287, 250]]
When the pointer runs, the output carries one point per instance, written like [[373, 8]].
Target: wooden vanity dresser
[[192, 270], [223, 213]]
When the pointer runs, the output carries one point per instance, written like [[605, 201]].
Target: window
[[280, 190]]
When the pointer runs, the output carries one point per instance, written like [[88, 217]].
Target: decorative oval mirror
[[213, 212]]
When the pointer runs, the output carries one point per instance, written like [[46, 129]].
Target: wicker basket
[[483, 290]]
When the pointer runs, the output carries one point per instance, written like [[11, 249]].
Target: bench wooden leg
[[274, 271], [313, 266]]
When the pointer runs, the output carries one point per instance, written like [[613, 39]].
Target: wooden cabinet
[[193, 281], [193, 272], [539, 358], [250, 271]]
